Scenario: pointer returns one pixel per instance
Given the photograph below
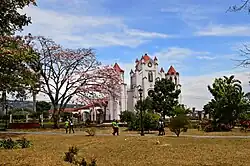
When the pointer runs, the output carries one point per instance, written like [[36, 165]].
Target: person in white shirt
[[71, 126], [161, 127]]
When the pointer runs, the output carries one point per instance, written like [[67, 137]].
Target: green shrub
[[179, 124], [8, 144], [71, 157], [24, 143], [91, 131], [11, 144], [150, 120], [84, 162], [127, 116]]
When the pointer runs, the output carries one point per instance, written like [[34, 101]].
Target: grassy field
[[123, 131], [129, 151]]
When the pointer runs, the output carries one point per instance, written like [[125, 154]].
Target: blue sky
[[199, 38]]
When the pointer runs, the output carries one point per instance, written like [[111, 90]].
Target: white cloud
[[194, 88], [136, 32], [224, 30], [186, 12], [85, 30], [191, 14], [174, 53], [206, 57]]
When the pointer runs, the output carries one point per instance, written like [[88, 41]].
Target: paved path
[[148, 135]]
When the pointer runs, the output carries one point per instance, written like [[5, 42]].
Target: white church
[[143, 76]]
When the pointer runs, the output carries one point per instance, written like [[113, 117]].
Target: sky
[[199, 38]]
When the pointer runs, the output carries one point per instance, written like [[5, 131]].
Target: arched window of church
[[175, 80], [150, 76]]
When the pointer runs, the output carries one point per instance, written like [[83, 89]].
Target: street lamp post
[[142, 128], [6, 122]]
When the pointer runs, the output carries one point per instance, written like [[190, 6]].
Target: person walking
[[66, 125], [115, 126], [71, 126], [161, 127]]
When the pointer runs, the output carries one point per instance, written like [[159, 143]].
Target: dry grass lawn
[[48, 150], [123, 131]]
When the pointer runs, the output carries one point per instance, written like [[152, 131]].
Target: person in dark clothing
[[161, 127], [71, 126]]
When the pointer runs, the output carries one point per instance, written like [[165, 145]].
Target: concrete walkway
[[129, 135]]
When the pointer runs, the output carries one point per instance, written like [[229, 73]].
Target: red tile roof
[[171, 71], [146, 57], [117, 68]]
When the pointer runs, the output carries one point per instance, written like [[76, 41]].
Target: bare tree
[[244, 61], [73, 74], [245, 5]]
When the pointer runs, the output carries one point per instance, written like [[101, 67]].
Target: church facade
[[143, 76]]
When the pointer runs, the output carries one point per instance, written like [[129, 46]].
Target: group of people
[[161, 126], [69, 126]]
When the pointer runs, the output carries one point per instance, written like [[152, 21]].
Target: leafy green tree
[[181, 110], [179, 124], [16, 76], [147, 104], [228, 101], [11, 19], [165, 97], [42, 106], [127, 116], [150, 120], [15, 56]]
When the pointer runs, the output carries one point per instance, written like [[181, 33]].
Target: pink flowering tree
[[73, 74]]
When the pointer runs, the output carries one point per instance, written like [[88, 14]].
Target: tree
[[10, 18], [245, 4], [179, 124], [127, 116], [165, 97], [130, 118], [73, 75], [16, 58], [16, 75], [147, 104], [245, 51], [42, 106], [228, 101], [181, 110]]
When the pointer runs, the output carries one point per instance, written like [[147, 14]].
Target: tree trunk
[[34, 100], [105, 112], [177, 132], [56, 122], [56, 116], [3, 101]]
